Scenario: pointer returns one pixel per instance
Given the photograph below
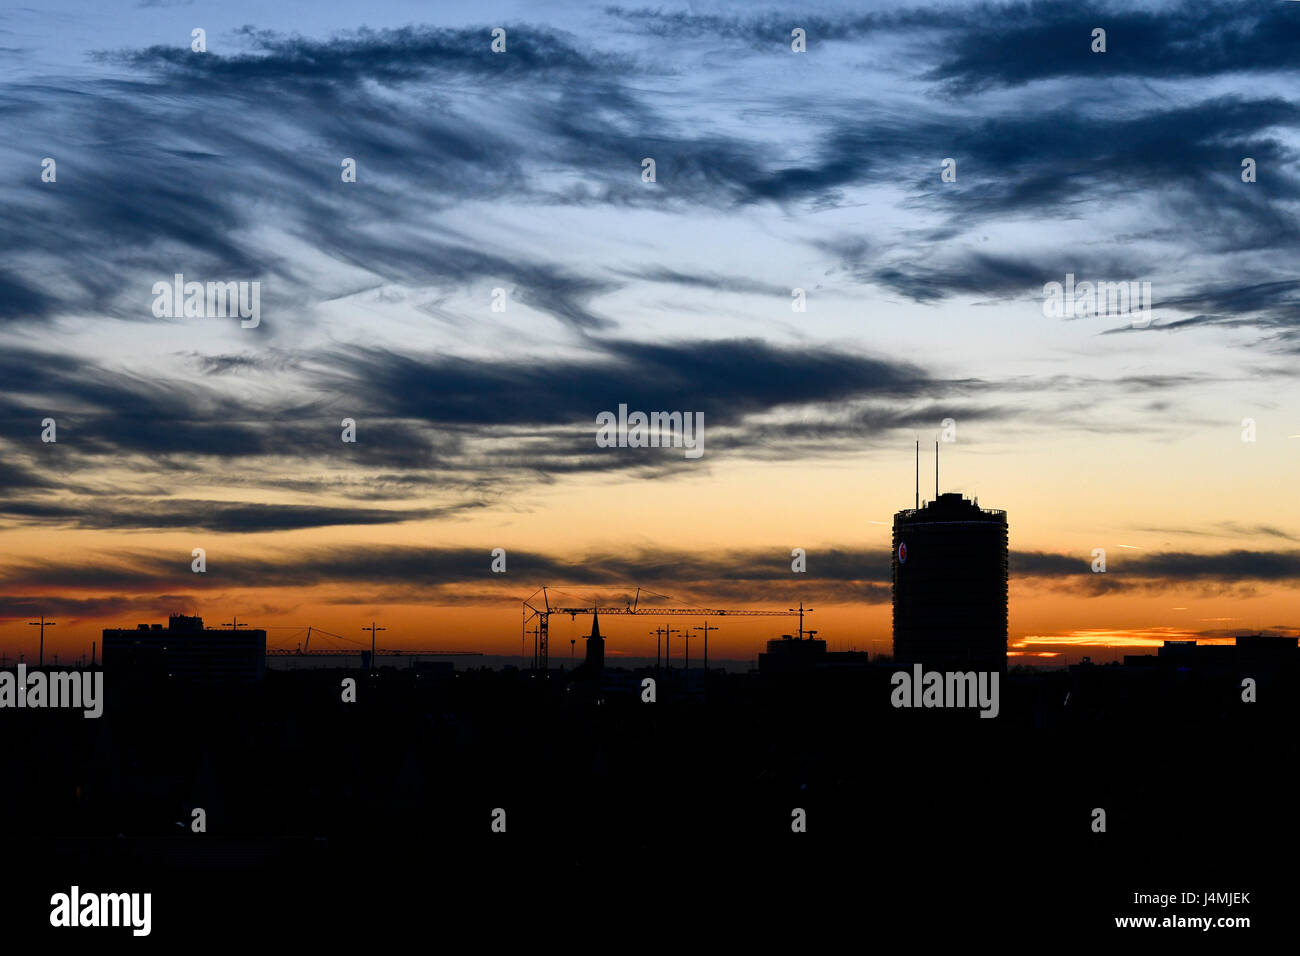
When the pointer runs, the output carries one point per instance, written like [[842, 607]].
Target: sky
[[502, 271]]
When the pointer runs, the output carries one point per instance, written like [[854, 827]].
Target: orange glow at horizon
[[764, 506]]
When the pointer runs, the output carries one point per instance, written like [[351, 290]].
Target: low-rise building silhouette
[[1262, 652], [186, 650], [800, 655]]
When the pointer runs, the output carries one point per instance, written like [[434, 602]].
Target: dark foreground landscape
[[649, 821]]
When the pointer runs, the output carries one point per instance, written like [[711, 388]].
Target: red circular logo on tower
[[902, 553]]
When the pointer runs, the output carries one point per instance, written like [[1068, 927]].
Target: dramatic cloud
[[436, 413], [692, 578], [1018, 43], [1160, 570], [504, 268]]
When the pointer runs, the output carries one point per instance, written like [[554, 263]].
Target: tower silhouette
[[950, 584], [595, 660]]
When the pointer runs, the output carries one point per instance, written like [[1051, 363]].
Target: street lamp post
[[706, 627], [42, 624], [374, 667]]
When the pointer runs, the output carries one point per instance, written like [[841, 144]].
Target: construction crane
[[305, 647], [542, 609]]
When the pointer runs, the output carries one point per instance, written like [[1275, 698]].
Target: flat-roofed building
[[186, 650], [950, 584]]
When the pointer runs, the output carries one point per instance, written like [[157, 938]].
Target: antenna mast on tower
[[918, 474]]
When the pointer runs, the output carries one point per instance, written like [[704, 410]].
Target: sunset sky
[[522, 171]]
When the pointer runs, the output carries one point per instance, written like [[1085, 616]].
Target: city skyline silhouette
[[707, 470]]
